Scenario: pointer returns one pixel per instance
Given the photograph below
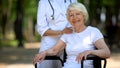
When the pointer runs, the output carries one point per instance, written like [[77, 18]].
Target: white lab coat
[[45, 22]]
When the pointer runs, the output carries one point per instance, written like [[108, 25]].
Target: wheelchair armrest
[[92, 57], [54, 58], [96, 60]]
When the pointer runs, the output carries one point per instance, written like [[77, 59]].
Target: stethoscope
[[52, 16]]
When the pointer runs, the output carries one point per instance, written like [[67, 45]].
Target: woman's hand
[[83, 56], [67, 30], [39, 57]]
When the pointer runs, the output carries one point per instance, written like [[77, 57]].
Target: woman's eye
[[71, 15], [78, 14]]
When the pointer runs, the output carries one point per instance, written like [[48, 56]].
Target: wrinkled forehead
[[78, 9], [74, 11]]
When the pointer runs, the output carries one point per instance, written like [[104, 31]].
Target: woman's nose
[[74, 16]]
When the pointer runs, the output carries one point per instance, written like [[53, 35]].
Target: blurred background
[[19, 40]]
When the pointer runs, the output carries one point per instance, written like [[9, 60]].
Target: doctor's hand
[[83, 56], [67, 30], [39, 57]]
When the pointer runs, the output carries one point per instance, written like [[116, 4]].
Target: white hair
[[79, 7]]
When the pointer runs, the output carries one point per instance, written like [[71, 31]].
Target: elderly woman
[[80, 43]]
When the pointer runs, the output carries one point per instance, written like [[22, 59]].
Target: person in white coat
[[51, 24], [82, 42]]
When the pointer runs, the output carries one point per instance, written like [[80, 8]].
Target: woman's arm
[[60, 45], [102, 51], [53, 32]]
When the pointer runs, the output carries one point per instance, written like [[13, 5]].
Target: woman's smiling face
[[76, 18]]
